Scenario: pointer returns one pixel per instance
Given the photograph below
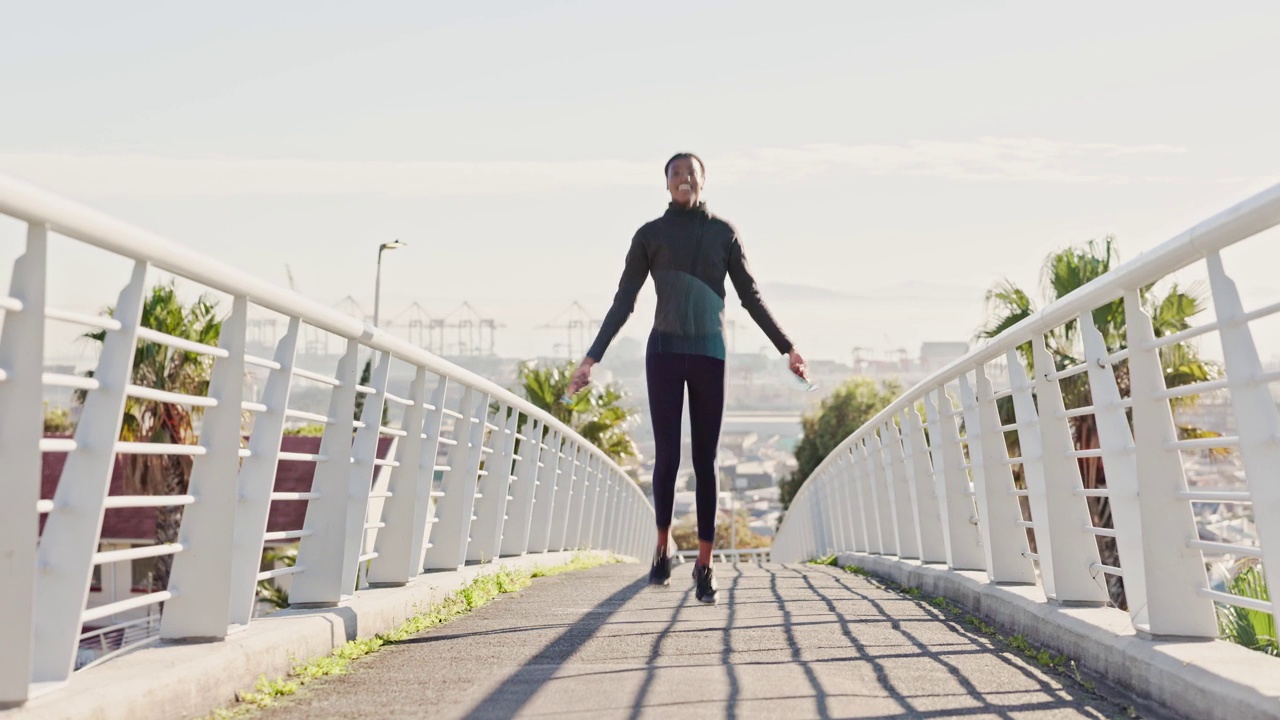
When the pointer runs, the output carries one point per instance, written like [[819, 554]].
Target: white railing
[[98, 646], [755, 555], [934, 481], [515, 480]]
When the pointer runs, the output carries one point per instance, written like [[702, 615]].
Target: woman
[[688, 251]]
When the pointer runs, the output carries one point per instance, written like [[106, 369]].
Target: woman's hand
[[797, 365], [581, 377]]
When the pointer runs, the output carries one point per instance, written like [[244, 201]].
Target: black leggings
[[667, 375]]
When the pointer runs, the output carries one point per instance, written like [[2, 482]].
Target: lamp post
[[377, 288]]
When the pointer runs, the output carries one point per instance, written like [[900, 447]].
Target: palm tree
[[1063, 272], [164, 368], [601, 417]]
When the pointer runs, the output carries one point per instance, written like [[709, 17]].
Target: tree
[[1063, 272], [600, 416], [839, 416], [164, 368], [366, 376]]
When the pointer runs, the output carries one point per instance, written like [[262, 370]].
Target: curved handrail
[[884, 488], [1236, 223], [510, 486], [67, 217]]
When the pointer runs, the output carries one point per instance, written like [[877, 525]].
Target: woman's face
[[684, 182]]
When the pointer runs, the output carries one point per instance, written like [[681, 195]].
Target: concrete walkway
[[786, 641]]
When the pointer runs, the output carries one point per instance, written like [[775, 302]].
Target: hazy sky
[[906, 155]]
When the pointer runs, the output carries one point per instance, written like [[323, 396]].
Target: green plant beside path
[[1254, 629], [474, 594]]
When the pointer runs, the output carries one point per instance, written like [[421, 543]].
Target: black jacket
[[688, 252]]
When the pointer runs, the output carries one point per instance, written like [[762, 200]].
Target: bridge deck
[[786, 641]]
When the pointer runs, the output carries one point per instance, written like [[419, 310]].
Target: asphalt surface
[[785, 641]]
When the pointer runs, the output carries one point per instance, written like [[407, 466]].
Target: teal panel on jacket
[[699, 327]]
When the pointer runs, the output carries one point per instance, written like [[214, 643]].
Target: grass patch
[[579, 562], [474, 594]]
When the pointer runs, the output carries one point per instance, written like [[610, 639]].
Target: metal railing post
[[366, 472], [999, 513], [544, 493], [815, 532], [515, 534], [21, 428], [456, 509], [424, 512], [71, 532], [201, 579], [1120, 461], [1061, 515], [821, 521], [840, 505], [566, 488], [604, 508], [1176, 579], [903, 500], [320, 553], [495, 488], [627, 541], [256, 480], [882, 495], [844, 508], [862, 535], [590, 499], [964, 547], [643, 535], [831, 510], [816, 524], [919, 467], [621, 514], [396, 561], [870, 503], [1256, 418]]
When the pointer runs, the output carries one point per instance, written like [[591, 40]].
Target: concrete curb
[[190, 680], [1195, 679]]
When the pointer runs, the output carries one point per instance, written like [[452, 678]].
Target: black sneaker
[[660, 571], [704, 581]]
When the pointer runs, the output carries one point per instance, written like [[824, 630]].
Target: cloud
[[987, 159]]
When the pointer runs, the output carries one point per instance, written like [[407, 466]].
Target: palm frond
[[601, 415], [1007, 305], [1253, 629]]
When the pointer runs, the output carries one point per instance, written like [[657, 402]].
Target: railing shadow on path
[[651, 667], [520, 688], [980, 646], [851, 644]]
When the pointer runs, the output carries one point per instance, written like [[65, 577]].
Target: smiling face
[[684, 181]]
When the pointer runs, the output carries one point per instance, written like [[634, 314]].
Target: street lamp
[[377, 288]]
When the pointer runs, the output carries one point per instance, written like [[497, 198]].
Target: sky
[[885, 163]]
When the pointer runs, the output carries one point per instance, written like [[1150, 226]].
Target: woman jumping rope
[[688, 251]]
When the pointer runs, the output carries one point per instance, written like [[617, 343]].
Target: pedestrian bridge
[[966, 493]]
